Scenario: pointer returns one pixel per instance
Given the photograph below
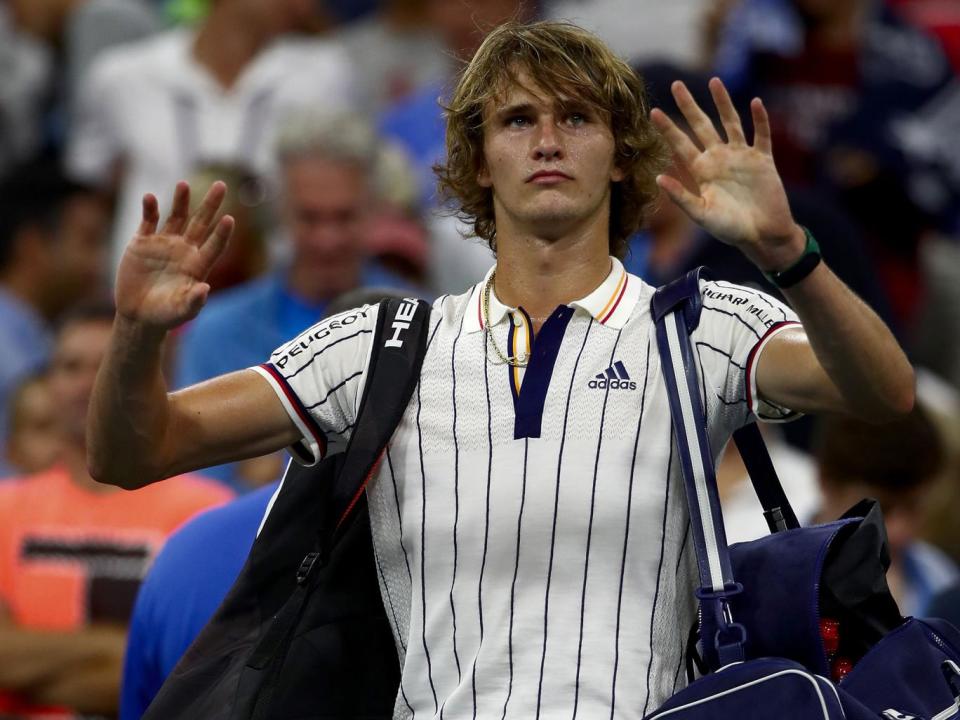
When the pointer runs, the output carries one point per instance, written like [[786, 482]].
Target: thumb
[[196, 298]]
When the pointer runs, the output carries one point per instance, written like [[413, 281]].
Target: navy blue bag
[[761, 650]]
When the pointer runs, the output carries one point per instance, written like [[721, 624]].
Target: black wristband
[[801, 268]]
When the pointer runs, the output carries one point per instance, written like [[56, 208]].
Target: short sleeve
[[318, 377], [736, 325]]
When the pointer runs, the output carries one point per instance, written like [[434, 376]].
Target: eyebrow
[[514, 109]]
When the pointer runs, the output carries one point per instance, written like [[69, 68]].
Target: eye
[[576, 119], [517, 121]]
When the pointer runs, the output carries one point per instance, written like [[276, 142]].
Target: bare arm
[[138, 433], [844, 358], [80, 670]]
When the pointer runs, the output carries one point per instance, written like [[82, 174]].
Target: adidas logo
[[614, 377]]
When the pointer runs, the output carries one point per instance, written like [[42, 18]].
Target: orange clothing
[[71, 557]]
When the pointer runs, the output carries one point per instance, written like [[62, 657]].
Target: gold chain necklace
[[514, 361]]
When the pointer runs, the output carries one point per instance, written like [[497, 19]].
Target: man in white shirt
[[528, 516], [153, 112]]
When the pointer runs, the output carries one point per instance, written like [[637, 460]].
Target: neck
[[540, 274], [226, 42]]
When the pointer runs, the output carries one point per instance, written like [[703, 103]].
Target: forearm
[[853, 345], [43, 666], [92, 688], [129, 409]]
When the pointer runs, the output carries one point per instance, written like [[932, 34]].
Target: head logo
[[401, 322], [614, 377]]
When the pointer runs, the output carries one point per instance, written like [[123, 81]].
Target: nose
[[548, 142]]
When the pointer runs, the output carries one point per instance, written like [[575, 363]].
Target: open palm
[[161, 281], [740, 197]]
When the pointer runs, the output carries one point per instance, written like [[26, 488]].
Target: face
[[79, 256], [549, 162], [326, 209], [35, 438], [80, 348]]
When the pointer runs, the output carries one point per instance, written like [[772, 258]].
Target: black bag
[[302, 634]]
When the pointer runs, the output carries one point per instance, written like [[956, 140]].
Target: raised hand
[[740, 198], [161, 279]]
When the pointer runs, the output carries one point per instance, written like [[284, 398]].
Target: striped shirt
[[529, 524]]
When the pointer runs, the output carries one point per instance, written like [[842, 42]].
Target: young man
[[528, 516]]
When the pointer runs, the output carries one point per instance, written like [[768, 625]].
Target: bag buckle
[[306, 567]]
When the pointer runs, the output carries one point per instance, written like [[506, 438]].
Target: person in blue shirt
[[328, 168], [184, 587]]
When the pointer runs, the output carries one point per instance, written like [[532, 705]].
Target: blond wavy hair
[[562, 59]]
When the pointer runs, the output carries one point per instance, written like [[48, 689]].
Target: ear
[[617, 175]]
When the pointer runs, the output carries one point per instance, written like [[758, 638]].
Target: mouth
[[548, 177]]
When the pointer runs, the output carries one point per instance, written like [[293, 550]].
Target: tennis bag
[[302, 634], [763, 650]]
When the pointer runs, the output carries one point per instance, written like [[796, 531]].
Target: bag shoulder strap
[[676, 310], [399, 346]]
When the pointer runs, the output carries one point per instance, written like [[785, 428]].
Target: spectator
[[185, 585], [194, 572], [27, 69], [72, 552], [34, 443], [394, 53], [849, 85], [51, 255], [897, 464], [326, 166], [153, 112]]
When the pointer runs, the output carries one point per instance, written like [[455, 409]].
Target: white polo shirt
[[529, 525], [150, 106]]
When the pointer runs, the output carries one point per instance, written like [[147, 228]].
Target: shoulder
[[296, 61], [726, 303], [228, 307], [21, 493], [130, 60], [357, 324], [223, 525]]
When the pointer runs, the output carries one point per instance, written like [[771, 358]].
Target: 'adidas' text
[[614, 377]]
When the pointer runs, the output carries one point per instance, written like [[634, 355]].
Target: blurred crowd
[[325, 119]]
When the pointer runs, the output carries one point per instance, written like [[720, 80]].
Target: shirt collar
[[610, 304]]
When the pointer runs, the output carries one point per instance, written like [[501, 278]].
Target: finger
[[762, 137], [195, 299], [677, 139], [199, 226], [700, 122], [151, 215], [214, 245], [728, 114], [691, 204], [177, 219]]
